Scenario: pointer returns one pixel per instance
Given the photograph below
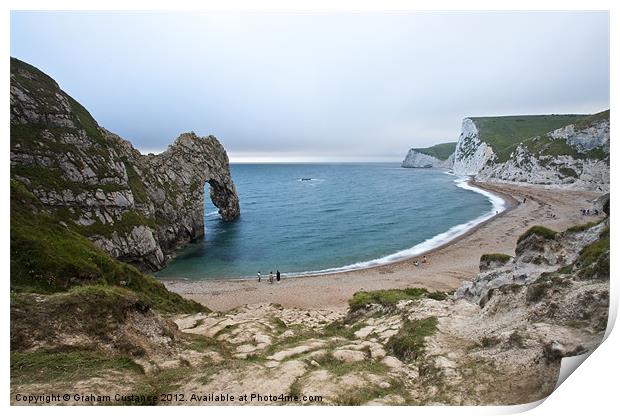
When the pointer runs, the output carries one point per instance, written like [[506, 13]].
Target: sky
[[317, 86]]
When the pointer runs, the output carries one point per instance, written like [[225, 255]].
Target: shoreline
[[507, 199], [450, 263]]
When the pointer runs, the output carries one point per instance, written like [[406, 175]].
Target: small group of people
[[589, 212], [270, 276], [416, 262]]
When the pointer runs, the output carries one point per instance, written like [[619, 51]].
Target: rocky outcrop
[[581, 163], [415, 159], [539, 254], [575, 155], [471, 152], [439, 156], [138, 208]]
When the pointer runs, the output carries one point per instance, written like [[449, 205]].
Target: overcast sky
[[342, 86]]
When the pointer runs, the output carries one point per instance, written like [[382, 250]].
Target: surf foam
[[498, 206]]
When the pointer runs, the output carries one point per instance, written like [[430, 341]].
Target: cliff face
[[415, 159], [135, 207], [577, 157], [438, 156], [530, 149], [471, 153]]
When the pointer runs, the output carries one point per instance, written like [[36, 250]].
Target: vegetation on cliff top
[[390, 297], [48, 366], [540, 231], [504, 134], [48, 257], [440, 151], [495, 257], [594, 258], [409, 343]]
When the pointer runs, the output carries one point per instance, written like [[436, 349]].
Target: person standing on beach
[[258, 274], [270, 277], [424, 259], [277, 275]]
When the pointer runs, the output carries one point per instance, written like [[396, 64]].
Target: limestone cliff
[[438, 156], [558, 150], [136, 207], [471, 152], [575, 155]]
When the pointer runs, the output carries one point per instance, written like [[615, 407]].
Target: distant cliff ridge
[[136, 207], [560, 150], [438, 156]]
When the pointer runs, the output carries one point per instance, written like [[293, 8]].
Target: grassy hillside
[[544, 145], [48, 257], [440, 151], [505, 133]]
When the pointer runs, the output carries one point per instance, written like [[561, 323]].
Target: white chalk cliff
[[416, 159], [574, 156], [586, 168], [471, 153]]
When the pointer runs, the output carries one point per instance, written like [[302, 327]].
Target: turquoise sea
[[309, 218]]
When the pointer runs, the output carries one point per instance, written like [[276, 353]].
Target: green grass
[[540, 231], [409, 342], [516, 339], [135, 183], [86, 121], [594, 259], [43, 84], [537, 291], [591, 253], [93, 310], [49, 366], [47, 257], [165, 381], [504, 134], [340, 368], [568, 172], [201, 343], [544, 145], [581, 227], [489, 341], [440, 151], [587, 121], [362, 395], [390, 297], [123, 226], [495, 257]]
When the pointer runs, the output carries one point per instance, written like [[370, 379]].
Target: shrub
[[48, 257], [409, 342], [539, 230], [48, 366], [390, 297], [581, 227], [568, 172]]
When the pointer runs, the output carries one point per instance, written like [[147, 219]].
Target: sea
[[304, 219]]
